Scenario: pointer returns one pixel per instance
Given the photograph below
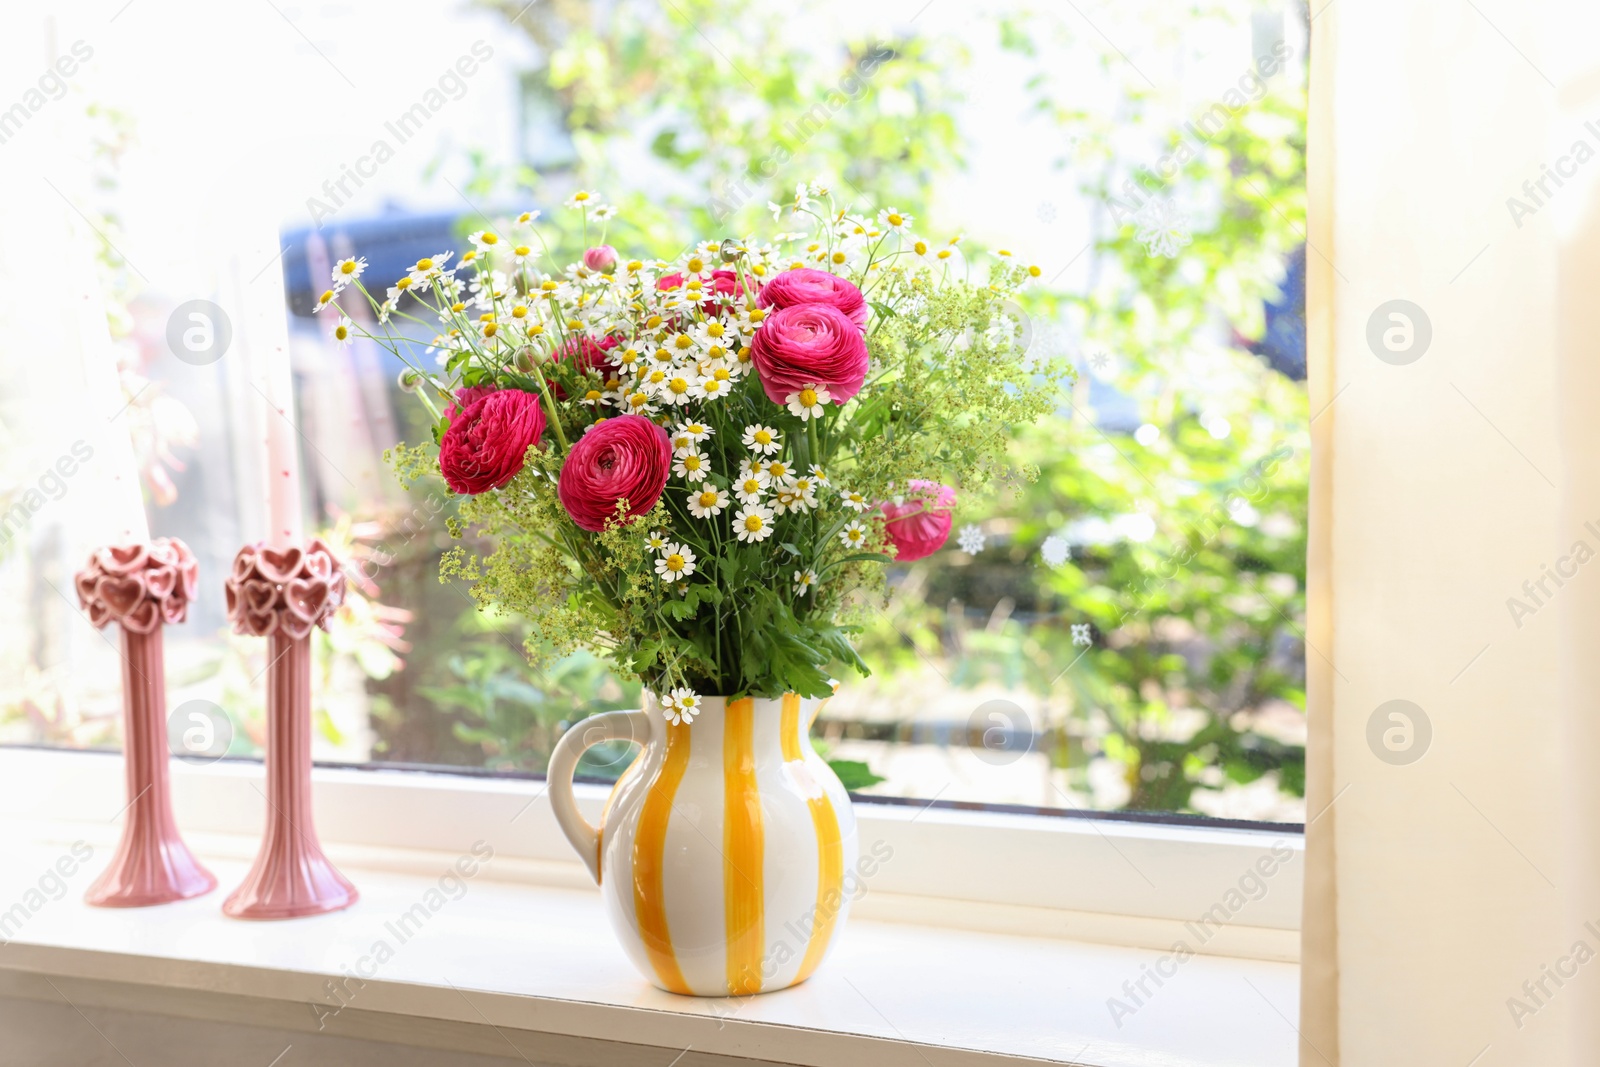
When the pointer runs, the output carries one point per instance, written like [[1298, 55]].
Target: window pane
[[1120, 626]]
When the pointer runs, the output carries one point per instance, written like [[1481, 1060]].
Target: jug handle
[[608, 726]]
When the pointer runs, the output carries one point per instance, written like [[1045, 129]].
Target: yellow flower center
[[683, 341], [522, 250], [634, 264], [347, 267], [762, 437], [548, 285], [944, 253], [657, 377], [921, 248], [776, 469], [808, 398], [489, 329], [403, 283], [679, 385], [839, 257], [592, 395], [674, 562], [691, 463], [424, 264], [752, 485], [714, 329], [895, 220], [341, 332], [744, 354], [580, 196], [652, 322], [490, 239], [708, 498], [326, 297], [721, 374], [712, 386], [696, 265], [519, 312], [753, 523]]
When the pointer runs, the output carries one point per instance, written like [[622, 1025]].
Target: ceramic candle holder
[[142, 588], [282, 595]]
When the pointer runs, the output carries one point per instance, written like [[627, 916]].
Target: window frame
[[1112, 880]]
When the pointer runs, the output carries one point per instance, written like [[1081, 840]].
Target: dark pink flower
[[804, 285], [919, 524], [809, 344], [627, 458], [601, 258], [487, 440], [466, 397]]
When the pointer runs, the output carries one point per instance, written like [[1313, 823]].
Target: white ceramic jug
[[723, 848]]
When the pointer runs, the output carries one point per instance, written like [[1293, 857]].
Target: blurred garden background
[[1123, 633]]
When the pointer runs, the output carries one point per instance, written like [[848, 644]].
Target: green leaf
[[854, 774]]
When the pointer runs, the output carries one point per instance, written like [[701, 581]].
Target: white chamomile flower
[[752, 482], [708, 502], [762, 440], [344, 332], [710, 387], [753, 523], [676, 561], [657, 540], [484, 240], [676, 389], [807, 403], [855, 534], [325, 299], [526, 217], [348, 270], [691, 466], [604, 212], [787, 500], [521, 254], [681, 705], [803, 581], [428, 268], [891, 219], [805, 487], [778, 469], [819, 476], [694, 431], [583, 199], [852, 500], [639, 403], [971, 539]]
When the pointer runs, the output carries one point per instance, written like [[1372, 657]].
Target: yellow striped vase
[[723, 848]]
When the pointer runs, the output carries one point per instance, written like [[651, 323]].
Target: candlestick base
[[282, 594], [142, 587]]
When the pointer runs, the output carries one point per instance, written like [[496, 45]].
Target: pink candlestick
[[142, 587], [282, 594]]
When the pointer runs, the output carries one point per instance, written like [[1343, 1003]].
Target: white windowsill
[[510, 963]]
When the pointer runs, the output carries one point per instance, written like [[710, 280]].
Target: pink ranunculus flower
[[803, 285], [466, 397], [487, 440], [919, 524], [809, 345], [600, 257], [723, 283], [624, 458]]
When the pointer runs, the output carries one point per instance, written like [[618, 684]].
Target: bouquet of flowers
[[701, 466]]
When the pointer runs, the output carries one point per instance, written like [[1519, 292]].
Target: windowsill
[[511, 963]]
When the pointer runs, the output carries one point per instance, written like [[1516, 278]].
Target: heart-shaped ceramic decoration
[[144, 618], [244, 564], [258, 595], [84, 582], [279, 565], [164, 552], [121, 559], [161, 581], [319, 563], [189, 575], [174, 610], [292, 626], [306, 598], [119, 594], [260, 623]]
